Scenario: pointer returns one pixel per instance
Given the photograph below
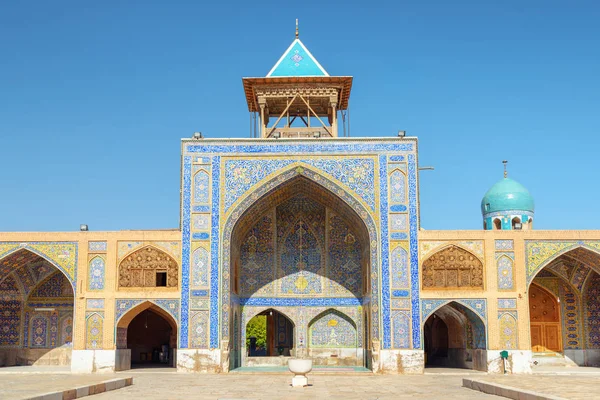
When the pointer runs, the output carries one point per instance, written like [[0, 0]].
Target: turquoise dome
[[506, 195]]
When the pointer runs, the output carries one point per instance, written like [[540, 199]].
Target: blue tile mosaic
[[300, 301], [201, 236], [293, 148], [414, 251], [400, 293], [199, 293], [398, 236], [398, 208], [96, 246], [507, 303], [396, 158], [357, 173], [185, 251], [385, 272]]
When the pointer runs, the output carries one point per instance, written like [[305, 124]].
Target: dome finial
[[297, 28], [505, 172]]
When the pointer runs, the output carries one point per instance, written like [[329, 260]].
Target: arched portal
[[147, 334], [564, 307], [269, 334], [455, 338], [544, 315], [297, 246], [36, 311]]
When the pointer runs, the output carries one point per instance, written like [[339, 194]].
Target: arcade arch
[[564, 307], [455, 337], [36, 311], [146, 336]]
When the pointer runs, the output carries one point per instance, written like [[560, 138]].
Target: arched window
[[497, 224], [485, 225], [516, 223]]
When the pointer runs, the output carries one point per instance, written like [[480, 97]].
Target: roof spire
[[296, 28], [505, 172]]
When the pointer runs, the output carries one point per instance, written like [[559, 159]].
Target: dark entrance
[[151, 339]]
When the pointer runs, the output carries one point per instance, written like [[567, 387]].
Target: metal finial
[[296, 28], [505, 172]]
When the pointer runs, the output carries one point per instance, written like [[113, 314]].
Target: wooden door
[[544, 313]]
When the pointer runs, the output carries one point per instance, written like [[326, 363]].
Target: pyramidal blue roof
[[297, 61]]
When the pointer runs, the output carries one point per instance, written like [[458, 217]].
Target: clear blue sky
[[95, 96]]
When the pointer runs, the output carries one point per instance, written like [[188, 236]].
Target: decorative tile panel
[[199, 330], [507, 303], [508, 330], [39, 331], [333, 329], [200, 265], [401, 330], [96, 247], [94, 326], [201, 222], [503, 244], [399, 268], [201, 187], [95, 304], [505, 273], [96, 273]]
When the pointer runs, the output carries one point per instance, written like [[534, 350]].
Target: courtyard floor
[[153, 384]]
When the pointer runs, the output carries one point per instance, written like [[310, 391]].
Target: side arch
[[547, 252], [70, 273]]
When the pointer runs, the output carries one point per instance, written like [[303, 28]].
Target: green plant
[[257, 327]]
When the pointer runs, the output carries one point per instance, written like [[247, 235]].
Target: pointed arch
[[141, 267], [263, 188], [547, 252], [452, 267], [124, 318], [332, 328], [25, 255]]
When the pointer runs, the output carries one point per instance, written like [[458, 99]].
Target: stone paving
[[574, 387], [154, 386], [16, 386]]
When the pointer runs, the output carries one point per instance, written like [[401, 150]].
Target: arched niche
[[452, 267], [148, 267]]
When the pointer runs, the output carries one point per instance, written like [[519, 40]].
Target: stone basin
[[299, 367]]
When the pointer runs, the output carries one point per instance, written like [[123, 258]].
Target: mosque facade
[[318, 234]]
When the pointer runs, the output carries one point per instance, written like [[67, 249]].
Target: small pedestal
[[299, 367]]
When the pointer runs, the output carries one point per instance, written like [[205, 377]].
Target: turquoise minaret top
[[507, 205]]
